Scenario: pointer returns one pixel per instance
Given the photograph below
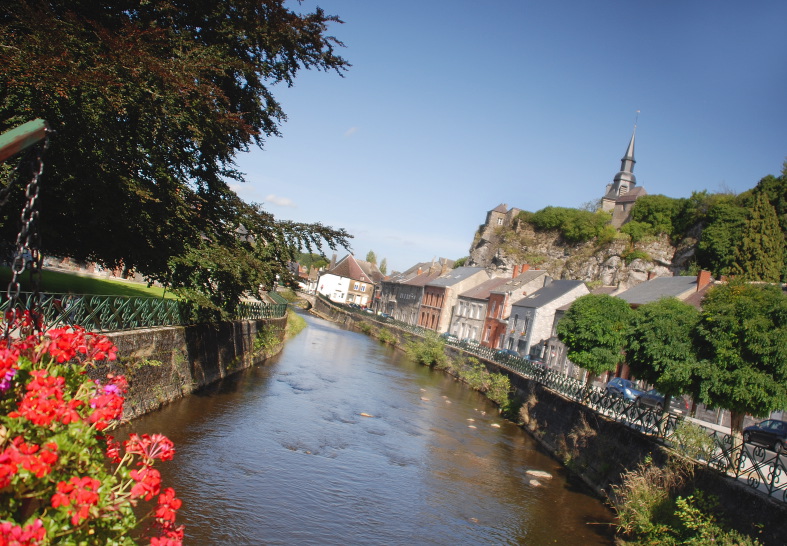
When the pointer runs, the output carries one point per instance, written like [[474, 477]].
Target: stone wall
[[164, 364]]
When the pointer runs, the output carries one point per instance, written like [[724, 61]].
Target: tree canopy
[[660, 345], [742, 346], [150, 102], [594, 330]]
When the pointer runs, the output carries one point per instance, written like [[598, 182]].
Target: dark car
[[770, 433], [507, 353], [651, 399], [618, 386]]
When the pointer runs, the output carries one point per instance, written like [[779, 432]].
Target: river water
[[282, 454]]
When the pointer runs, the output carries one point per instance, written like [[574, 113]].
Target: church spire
[[627, 163]]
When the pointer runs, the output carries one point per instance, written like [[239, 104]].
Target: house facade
[[467, 320], [401, 293], [350, 281], [440, 296], [532, 317], [523, 282]]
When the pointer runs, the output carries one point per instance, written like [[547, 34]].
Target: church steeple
[[624, 180]]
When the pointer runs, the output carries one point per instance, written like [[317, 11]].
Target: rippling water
[[281, 454]]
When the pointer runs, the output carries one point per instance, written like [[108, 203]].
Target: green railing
[[114, 313], [754, 466]]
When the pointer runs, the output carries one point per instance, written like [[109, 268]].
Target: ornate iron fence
[[752, 465], [114, 313]]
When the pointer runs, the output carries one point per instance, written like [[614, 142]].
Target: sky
[[452, 107]]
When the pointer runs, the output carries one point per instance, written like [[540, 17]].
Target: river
[[285, 453]]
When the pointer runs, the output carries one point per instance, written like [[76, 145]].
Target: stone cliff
[[617, 262]]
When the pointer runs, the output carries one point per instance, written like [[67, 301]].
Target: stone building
[[524, 281], [467, 321], [440, 296], [623, 191]]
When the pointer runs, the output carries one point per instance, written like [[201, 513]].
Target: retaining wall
[[164, 364]]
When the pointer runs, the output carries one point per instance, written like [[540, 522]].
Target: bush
[[430, 351], [574, 225], [63, 478], [386, 336]]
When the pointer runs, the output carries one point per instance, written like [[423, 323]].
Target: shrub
[[429, 351], [386, 336], [63, 478], [574, 225], [692, 441]]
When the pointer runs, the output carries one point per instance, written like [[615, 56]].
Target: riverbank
[[600, 451]]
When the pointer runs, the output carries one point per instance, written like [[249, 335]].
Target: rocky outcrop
[[613, 263]]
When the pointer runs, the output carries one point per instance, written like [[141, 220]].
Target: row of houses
[[518, 312]]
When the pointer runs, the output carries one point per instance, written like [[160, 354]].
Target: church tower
[[624, 181]]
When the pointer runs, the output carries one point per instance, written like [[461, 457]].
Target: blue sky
[[452, 107]]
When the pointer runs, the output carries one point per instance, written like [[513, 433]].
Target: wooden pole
[[19, 139]]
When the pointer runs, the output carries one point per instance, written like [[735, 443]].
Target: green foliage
[[461, 261], [637, 230], [721, 236], [660, 347], [266, 339], [150, 105], [574, 225], [594, 330], [496, 386], [692, 441], [428, 351], [651, 511], [371, 257], [386, 336], [364, 327], [760, 254], [295, 325], [742, 342], [658, 212], [384, 266], [636, 254], [311, 260]]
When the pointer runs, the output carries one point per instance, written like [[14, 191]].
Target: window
[[499, 221], [363, 288], [516, 319], [355, 287]]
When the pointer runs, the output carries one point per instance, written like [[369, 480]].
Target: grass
[[56, 282]]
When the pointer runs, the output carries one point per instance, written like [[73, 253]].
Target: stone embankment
[[165, 364]]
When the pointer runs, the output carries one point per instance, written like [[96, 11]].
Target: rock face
[[614, 263]]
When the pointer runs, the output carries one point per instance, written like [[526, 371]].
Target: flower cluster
[[62, 477]]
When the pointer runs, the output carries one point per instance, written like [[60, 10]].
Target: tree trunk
[[736, 423], [664, 417]]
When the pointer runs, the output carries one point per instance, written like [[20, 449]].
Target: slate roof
[[632, 195], [523, 278], [550, 292], [502, 207], [482, 291], [455, 276], [695, 299], [423, 279], [660, 287]]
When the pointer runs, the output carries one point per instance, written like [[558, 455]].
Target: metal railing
[[115, 313], [755, 466]]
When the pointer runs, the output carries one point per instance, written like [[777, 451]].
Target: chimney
[[651, 275], [514, 273], [419, 271], [333, 262], [703, 279], [523, 268]]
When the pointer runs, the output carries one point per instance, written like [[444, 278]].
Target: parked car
[[770, 433], [651, 399], [618, 386], [506, 353], [448, 336], [540, 364]]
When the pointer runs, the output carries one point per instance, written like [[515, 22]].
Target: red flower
[[168, 505], [148, 482], [17, 535], [148, 447], [79, 494], [44, 403]]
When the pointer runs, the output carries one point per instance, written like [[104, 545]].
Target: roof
[[632, 195], [523, 278], [550, 292], [352, 268], [502, 207], [695, 299], [455, 276], [482, 291], [423, 279], [660, 287]]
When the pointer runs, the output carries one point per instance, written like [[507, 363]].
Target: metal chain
[[28, 249]]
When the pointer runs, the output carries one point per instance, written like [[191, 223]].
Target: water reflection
[[341, 440]]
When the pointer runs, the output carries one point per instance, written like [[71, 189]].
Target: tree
[[594, 330], [742, 347], [760, 254], [384, 266], [371, 257], [150, 102], [725, 221], [660, 346], [658, 211]]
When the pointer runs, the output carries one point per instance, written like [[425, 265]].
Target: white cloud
[[351, 131], [280, 201]]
